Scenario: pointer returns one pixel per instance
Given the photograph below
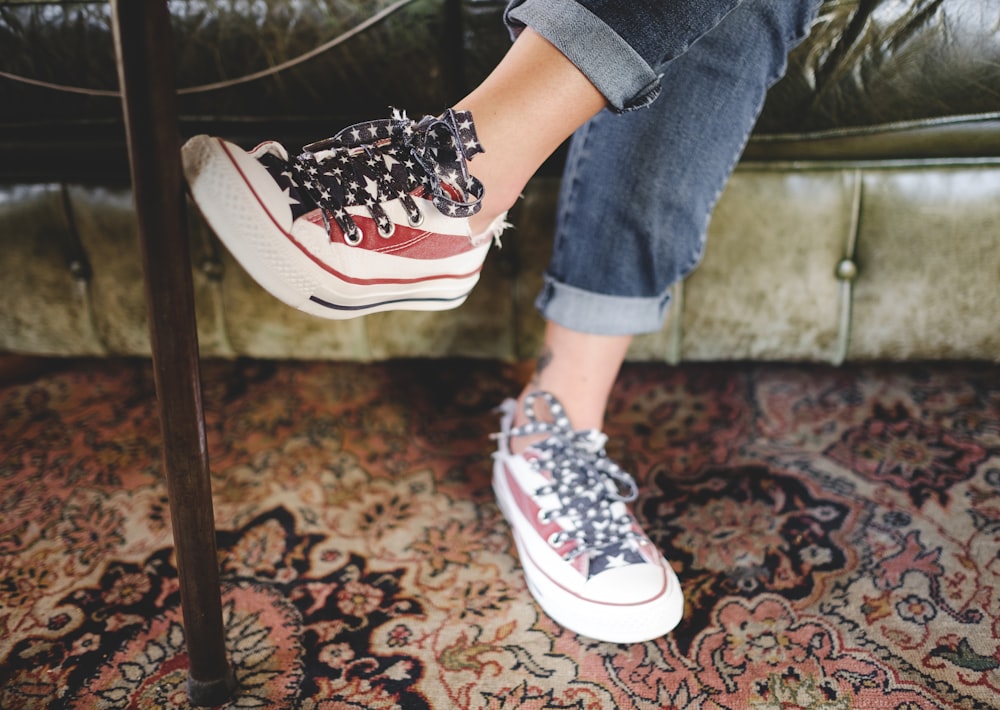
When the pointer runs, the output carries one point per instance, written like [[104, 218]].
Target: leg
[[671, 162], [535, 79], [579, 369], [637, 193]]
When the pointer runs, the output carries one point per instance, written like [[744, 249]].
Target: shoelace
[[584, 480], [371, 163]]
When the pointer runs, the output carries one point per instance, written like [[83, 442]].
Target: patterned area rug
[[836, 532]]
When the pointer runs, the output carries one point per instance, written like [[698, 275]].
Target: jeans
[[639, 186]]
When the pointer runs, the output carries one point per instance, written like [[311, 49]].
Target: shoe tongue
[[270, 148], [275, 161]]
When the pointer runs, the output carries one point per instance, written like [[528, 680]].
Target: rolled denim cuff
[[598, 313], [625, 79]]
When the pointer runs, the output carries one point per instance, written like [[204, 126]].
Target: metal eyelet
[[415, 222], [354, 236], [389, 232]]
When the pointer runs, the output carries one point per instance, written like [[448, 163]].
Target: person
[[658, 100]]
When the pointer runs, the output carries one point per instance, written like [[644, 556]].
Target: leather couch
[[862, 223]]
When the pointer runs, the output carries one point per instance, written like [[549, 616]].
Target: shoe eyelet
[[415, 221], [385, 234], [354, 236], [556, 539]]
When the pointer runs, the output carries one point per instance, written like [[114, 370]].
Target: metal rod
[[147, 77]]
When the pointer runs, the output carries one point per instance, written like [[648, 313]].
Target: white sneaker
[[587, 562], [372, 219]]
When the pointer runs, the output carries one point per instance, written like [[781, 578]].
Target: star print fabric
[[371, 163], [598, 532]]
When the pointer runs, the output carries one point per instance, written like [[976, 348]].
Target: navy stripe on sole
[[339, 307]]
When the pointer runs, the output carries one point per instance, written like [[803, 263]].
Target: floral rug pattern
[[836, 531]]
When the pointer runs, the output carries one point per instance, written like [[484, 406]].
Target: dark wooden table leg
[[146, 75]]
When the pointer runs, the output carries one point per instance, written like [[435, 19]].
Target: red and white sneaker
[[372, 219], [587, 562]]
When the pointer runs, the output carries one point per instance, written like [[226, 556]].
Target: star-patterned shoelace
[[371, 163], [587, 486]]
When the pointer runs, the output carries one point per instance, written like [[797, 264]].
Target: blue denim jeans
[[639, 186]]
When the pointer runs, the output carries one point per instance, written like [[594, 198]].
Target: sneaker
[[372, 219], [587, 562]]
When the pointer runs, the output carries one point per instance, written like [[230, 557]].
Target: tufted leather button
[[79, 269], [212, 268], [847, 270]]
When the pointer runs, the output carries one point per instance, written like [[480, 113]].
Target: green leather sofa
[[862, 223]]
